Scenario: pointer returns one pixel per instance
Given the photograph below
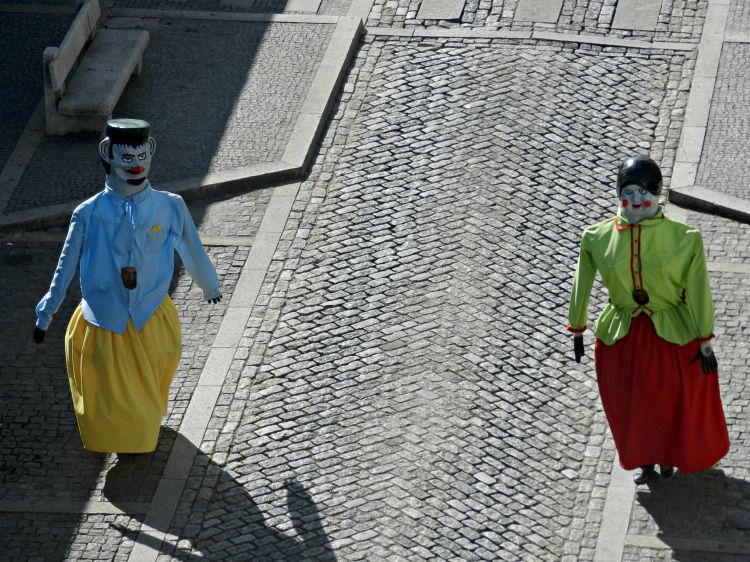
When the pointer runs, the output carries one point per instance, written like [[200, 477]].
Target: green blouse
[[663, 257]]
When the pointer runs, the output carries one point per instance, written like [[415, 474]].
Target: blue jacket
[[109, 232]]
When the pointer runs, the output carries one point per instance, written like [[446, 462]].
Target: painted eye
[[643, 191], [127, 159], [142, 156]]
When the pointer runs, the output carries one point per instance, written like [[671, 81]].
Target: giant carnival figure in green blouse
[[656, 370]]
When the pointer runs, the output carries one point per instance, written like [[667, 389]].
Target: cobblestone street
[[401, 386]]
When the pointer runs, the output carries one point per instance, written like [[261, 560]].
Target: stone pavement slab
[[677, 21], [637, 14]]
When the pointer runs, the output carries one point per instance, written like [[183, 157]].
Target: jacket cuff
[[43, 324], [575, 330]]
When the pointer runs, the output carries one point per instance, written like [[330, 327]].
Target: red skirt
[[661, 408]]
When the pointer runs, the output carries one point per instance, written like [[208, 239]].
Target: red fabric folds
[[661, 408]]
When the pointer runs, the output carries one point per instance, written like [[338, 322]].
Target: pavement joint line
[[206, 394], [74, 507], [30, 139], [687, 544], [36, 9], [726, 267], [479, 33], [223, 16], [307, 6], [737, 38], [690, 148], [610, 543]]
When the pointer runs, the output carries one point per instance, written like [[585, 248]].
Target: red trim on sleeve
[[576, 330], [701, 340]]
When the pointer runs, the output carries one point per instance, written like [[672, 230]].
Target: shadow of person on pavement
[[705, 506], [224, 522]]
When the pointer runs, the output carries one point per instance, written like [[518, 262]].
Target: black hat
[[130, 132], [640, 171]]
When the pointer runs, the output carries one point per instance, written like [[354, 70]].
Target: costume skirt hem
[[661, 407]]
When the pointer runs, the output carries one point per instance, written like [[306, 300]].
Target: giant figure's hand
[[578, 347], [39, 334], [215, 299], [709, 364]]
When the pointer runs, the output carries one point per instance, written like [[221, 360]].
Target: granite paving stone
[[205, 116], [406, 357]]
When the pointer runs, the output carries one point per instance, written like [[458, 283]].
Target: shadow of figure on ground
[[223, 521], [693, 512]]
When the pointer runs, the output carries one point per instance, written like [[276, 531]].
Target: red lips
[[135, 170]]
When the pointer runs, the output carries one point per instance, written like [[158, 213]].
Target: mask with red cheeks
[[638, 203]]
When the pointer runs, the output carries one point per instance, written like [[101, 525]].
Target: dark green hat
[[130, 132]]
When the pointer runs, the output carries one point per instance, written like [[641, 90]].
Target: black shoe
[[666, 471], [644, 474]]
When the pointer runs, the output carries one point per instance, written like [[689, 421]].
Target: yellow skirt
[[120, 382]]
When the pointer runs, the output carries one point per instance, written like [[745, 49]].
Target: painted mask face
[[638, 204], [129, 165]]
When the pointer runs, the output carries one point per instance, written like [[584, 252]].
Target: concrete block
[[637, 14], [217, 364], [440, 10], [538, 11], [232, 327]]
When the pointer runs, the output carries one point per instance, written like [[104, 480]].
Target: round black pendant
[[640, 296], [129, 277]]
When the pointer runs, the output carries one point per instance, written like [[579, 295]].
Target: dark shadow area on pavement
[[704, 506], [214, 93], [41, 455], [227, 523]]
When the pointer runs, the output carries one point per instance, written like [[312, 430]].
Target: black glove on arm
[[39, 334], [709, 364], [578, 347]]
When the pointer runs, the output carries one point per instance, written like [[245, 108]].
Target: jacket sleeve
[[698, 290], [66, 268], [581, 291], [194, 256]]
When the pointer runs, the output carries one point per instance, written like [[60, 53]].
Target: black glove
[[215, 300], [578, 347], [39, 334], [709, 364]]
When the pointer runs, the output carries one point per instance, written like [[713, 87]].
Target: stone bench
[[85, 76]]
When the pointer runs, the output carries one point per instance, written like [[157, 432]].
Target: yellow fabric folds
[[120, 382]]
